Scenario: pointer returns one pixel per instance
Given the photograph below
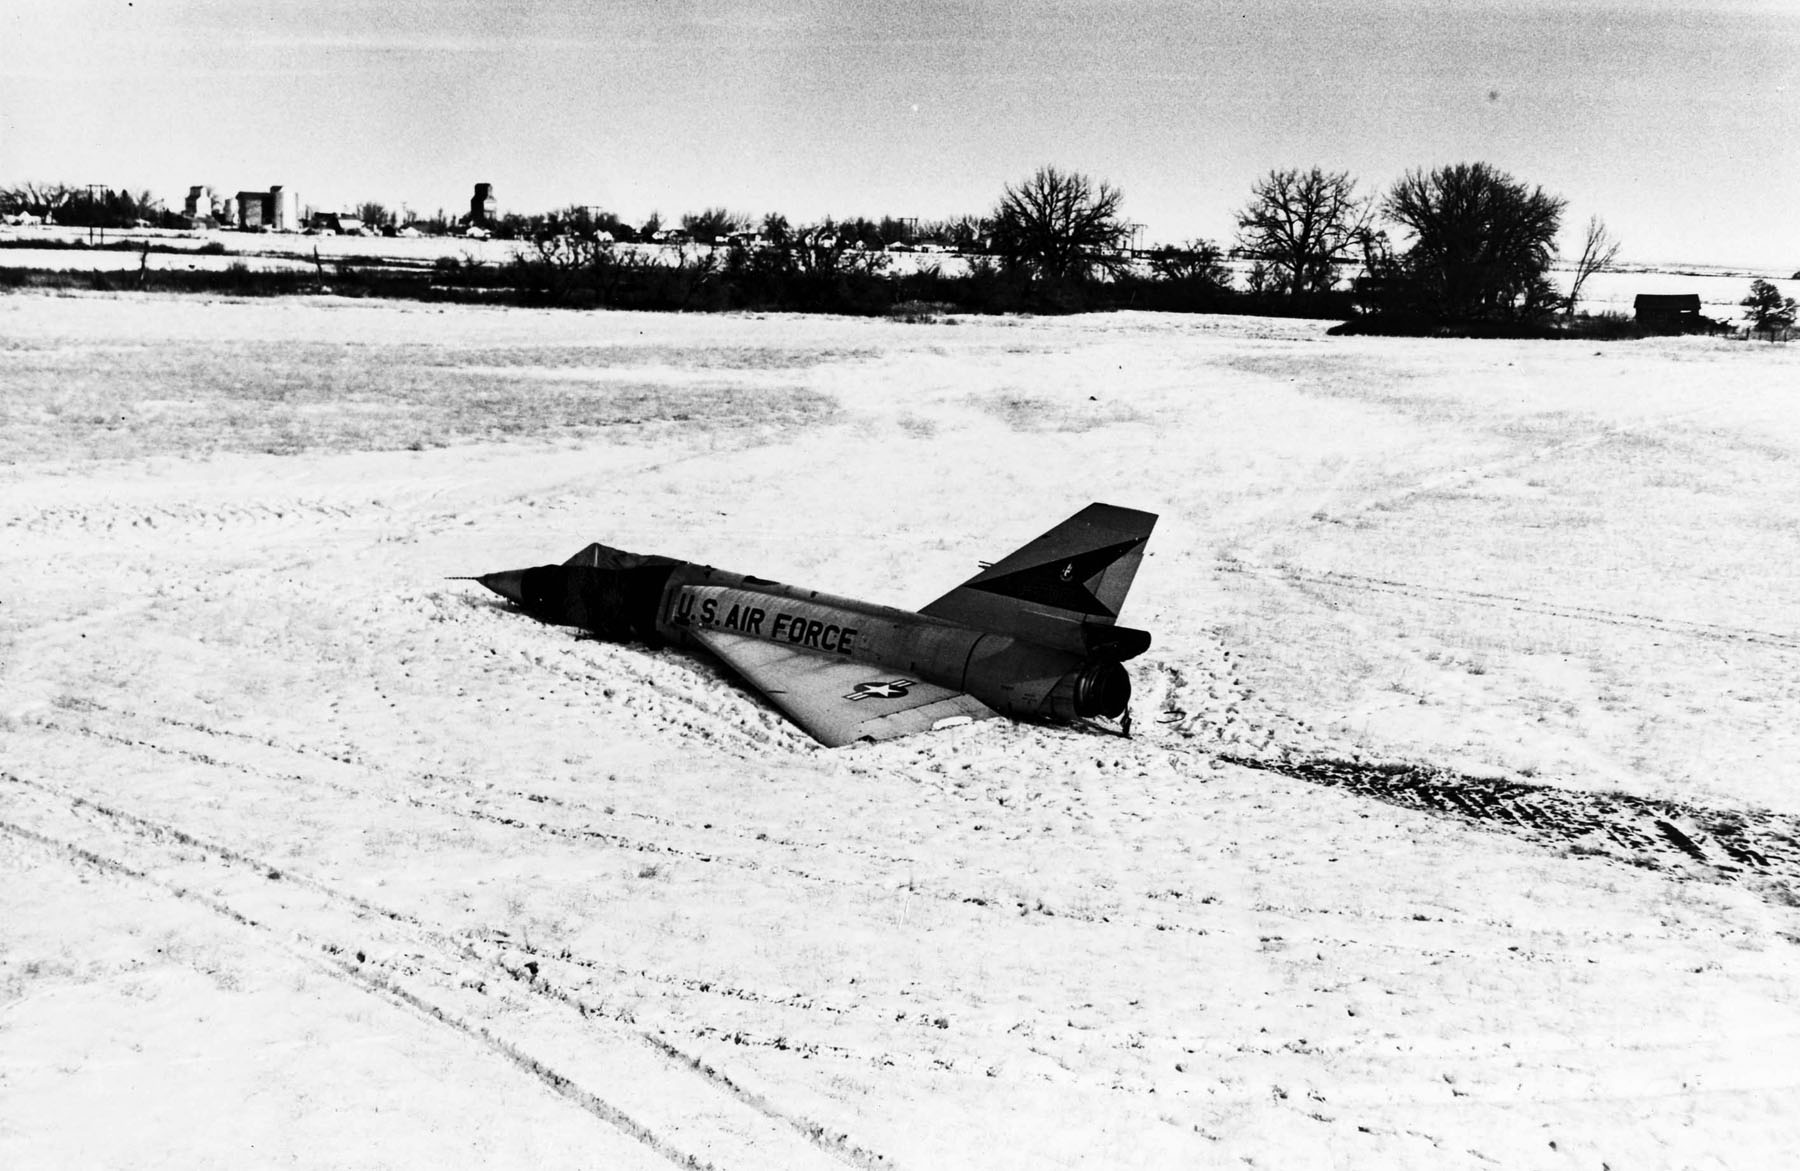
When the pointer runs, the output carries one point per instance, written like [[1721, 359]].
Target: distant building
[[1670, 313], [250, 209], [199, 205], [206, 208], [274, 210], [481, 206], [342, 223]]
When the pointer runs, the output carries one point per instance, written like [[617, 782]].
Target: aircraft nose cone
[[508, 583]]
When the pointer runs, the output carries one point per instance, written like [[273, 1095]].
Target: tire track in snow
[[588, 985], [333, 959], [865, 1028], [397, 956], [452, 795], [593, 988], [1466, 475], [524, 812], [160, 520], [474, 806], [1340, 580], [1218, 715]]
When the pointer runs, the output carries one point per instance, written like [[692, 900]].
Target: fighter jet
[[1032, 636]]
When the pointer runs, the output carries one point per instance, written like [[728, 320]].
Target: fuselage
[[675, 601]]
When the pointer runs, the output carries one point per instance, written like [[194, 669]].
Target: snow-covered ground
[[1460, 828]]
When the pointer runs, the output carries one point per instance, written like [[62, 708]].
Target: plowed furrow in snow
[[1204, 709], [1739, 845]]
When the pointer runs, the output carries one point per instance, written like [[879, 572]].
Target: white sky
[[1677, 122]]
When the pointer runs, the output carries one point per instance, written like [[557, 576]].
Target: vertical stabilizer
[[1062, 588]]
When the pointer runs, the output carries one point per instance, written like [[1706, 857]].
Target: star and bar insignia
[[881, 689]]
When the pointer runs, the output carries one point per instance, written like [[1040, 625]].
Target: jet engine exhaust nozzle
[[1102, 689]]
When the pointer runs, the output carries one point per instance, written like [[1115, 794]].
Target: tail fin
[[598, 556], [1063, 589]]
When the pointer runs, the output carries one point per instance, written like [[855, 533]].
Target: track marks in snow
[[460, 799], [1535, 607], [174, 519], [694, 1013], [1658, 835], [1204, 702], [674, 1103], [703, 1009], [446, 975], [1204, 699], [851, 867]]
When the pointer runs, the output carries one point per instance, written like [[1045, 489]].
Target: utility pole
[[95, 209]]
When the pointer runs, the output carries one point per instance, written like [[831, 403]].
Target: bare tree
[[964, 234], [1482, 242], [1060, 225], [1298, 222], [35, 197], [825, 250], [713, 224], [1198, 262], [1598, 251]]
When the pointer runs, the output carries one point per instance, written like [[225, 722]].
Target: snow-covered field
[[1460, 828]]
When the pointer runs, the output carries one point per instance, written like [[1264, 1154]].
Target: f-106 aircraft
[[1032, 636]]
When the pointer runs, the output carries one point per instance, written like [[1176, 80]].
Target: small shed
[[342, 223], [1670, 313]]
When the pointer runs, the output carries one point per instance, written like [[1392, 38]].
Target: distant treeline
[[824, 275], [1473, 257], [799, 279]]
